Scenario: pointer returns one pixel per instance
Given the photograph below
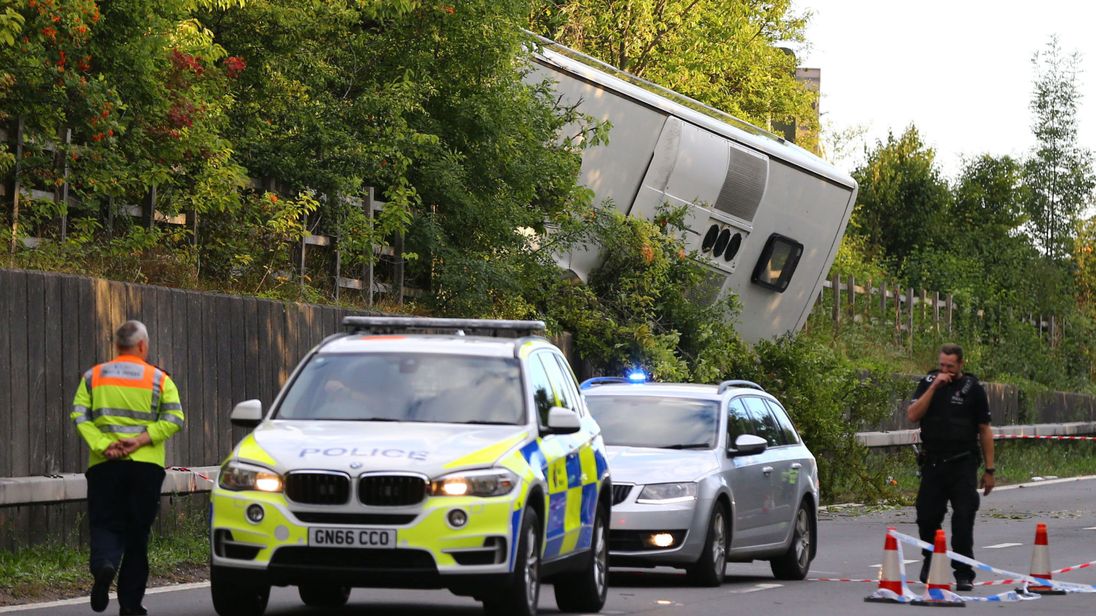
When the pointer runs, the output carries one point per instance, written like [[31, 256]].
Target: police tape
[[1002, 437], [1026, 580], [183, 469], [1006, 582]]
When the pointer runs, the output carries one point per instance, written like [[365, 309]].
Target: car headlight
[[235, 476], [494, 482], [667, 493]]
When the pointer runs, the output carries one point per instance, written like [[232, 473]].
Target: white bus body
[[758, 199]]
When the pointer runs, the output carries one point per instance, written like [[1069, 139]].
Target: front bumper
[[429, 552], [633, 524]]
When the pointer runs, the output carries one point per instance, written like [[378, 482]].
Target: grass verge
[[56, 571]]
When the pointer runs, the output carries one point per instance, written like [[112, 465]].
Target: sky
[[960, 70]]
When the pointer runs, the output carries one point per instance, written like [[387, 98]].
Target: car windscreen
[[407, 387], [661, 422]]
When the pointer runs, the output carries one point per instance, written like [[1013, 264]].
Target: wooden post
[[16, 187], [835, 284], [65, 184], [936, 311], [897, 310], [852, 299], [909, 306], [951, 310], [148, 212], [924, 305]]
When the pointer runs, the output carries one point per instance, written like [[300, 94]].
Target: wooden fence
[[911, 312]]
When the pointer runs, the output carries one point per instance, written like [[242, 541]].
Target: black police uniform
[[949, 463]]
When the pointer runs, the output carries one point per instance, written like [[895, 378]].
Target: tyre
[[521, 596], [324, 595], [233, 596], [708, 571], [585, 590], [796, 561]]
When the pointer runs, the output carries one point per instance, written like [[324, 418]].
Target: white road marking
[[1091, 528], [113, 595], [1001, 545], [1043, 483], [756, 588]]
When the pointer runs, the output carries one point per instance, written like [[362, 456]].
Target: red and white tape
[[1020, 581], [999, 437], [184, 469]]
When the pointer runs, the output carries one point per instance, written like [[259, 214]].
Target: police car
[[417, 460]]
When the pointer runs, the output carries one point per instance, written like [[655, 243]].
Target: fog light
[[255, 513], [661, 540], [458, 518]]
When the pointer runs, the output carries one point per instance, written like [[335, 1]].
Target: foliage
[[725, 53], [1059, 175]]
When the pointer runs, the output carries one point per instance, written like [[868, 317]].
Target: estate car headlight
[[236, 476], [667, 493], [493, 482]]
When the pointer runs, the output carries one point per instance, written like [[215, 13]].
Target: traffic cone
[[1040, 563], [938, 593], [890, 574]]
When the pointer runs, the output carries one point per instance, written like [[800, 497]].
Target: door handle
[[767, 470], [796, 465]]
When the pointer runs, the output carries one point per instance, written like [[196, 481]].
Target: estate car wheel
[[520, 598], [586, 590], [324, 595], [708, 571], [233, 596], [794, 563]]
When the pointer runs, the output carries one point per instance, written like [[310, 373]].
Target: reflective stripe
[[108, 412], [122, 429], [171, 406], [157, 383], [88, 378], [175, 419], [79, 419]]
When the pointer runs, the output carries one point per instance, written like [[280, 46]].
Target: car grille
[[375, 519], [391, 490], [621, 492], [318, 488], [353, 558]]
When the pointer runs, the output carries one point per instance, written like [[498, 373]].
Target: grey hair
[[130, 334]]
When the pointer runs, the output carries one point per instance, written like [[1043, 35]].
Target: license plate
[[352, 538]]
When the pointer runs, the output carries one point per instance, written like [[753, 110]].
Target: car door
[[776, 508], [583, 478], [563, 526], [750, 485], [798, 468]]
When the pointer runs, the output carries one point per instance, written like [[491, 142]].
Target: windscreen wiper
[[687, 446]]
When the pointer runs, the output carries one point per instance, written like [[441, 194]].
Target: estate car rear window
[[666, 423], [407, 387]]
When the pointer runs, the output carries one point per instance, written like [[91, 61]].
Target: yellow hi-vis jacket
[[123, 398]]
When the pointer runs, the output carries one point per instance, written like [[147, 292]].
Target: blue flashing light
[[637, 376]]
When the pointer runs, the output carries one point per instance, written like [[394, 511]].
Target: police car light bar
[[602, 380], [490, 327], [725, 385]]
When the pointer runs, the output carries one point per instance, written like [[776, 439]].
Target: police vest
[[123, 398], [950, 423]]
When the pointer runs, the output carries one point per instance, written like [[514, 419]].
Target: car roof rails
[[430, 325], [725, 385], [603, 380]]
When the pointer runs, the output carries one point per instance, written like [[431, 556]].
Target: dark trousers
[[955, 481], [123, 498]]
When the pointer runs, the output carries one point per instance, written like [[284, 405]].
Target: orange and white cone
[[1040, 563], [890, 588], [938, 593]]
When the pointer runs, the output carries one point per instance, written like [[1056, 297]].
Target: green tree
[[726, 53], [902, 199], [1059, 176]]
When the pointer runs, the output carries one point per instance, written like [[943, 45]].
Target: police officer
[[953, 411], [124, 409]]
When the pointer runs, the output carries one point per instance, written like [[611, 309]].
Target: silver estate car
[[703, 475]]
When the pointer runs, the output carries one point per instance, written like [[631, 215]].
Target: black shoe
[[924, 577], [100, 591], [964, 584], [136, 611]]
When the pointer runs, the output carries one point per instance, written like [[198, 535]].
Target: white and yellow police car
[[417, 460]]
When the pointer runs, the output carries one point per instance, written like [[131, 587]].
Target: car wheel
[[521, 596], [708, 571], [233, 596], [796, 561], [586, 590], [324, 595]]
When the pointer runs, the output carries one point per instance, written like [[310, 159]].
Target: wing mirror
[[247, 414], [748, 445], [563, 421]]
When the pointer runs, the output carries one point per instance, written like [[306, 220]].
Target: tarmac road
[[850, 543]]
